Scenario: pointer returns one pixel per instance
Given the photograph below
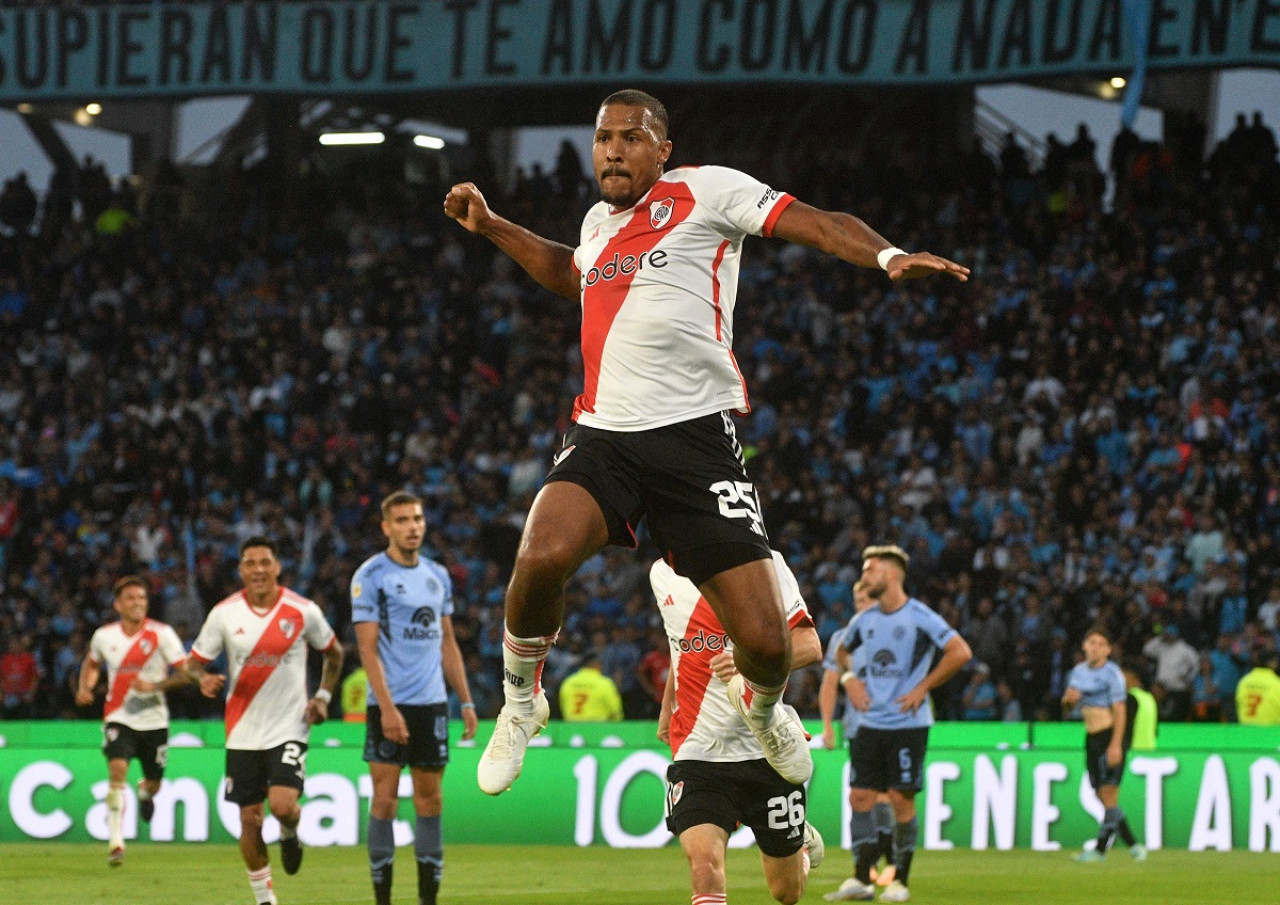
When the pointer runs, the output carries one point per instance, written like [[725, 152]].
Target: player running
[[265, 630], [138, 653]]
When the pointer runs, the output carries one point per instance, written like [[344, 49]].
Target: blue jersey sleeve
[[364, 592]]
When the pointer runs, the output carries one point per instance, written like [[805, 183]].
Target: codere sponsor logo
[[624, 265], [702, 641]]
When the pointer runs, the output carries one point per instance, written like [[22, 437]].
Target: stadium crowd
[[1087, 433]]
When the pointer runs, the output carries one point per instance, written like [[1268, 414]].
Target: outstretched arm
[[850, 239], [550, 263]]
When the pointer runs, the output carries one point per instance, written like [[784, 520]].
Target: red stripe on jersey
[[602, 300], [783, 203], [283, 627], [693, 673], [715, 298], [715, 288], [130, 664]]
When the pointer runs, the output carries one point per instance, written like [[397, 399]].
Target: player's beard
[[617, 199]]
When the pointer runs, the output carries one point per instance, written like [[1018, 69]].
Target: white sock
[[710, 898], [115, 814], [761, 698], [260, 883], [522, 662]]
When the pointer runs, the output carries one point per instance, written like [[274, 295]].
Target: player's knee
[[383, 808], [788, 891], [706, 871], [428, 804], [251, 819], [548, 563]]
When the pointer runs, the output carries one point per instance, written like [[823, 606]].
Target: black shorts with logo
[[149, 746], [251, 773], [688, 478], [884, 759], [428, 744], [737, 792], [1095, 755]]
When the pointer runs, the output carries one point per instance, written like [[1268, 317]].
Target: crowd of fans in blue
[[1086, 433]]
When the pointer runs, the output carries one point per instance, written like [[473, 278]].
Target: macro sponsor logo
[[517, 681], [702, 641], [423, 628], [769, 195], [884, 663], [624, 265]]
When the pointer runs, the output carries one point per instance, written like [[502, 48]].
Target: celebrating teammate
[[656, 274], [720, 777], [891, 646], [265, 630], [402, 608], [1098, 686], [138, 653]]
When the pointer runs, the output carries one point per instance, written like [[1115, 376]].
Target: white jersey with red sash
[[704, 725], [659, 286], [266, 666], [147, 654]]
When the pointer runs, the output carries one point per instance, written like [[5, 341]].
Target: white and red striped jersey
[[147, 654], [659, 283], [266, 666], [704, 725]]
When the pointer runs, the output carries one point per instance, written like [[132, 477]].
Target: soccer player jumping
[[656, 274]]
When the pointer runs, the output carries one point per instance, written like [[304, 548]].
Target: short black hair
[[1265, 656], [259, 541], [633, 97]]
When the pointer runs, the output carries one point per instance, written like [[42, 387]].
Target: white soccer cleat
[[782, 738], [503, 757], [1138, 852], [852, 890], [813, 842], [895, 892]]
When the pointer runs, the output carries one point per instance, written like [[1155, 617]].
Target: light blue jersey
[[1099, 687], [851, 714], [893, 652], [408, 603]]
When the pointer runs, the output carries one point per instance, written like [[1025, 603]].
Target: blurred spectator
[[19, 679], [588, 695], [1176, 666]]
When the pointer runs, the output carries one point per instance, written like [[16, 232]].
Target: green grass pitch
[[193, 874]]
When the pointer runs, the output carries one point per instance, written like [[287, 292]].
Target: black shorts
[[688, 479], [149, 746], [884, 759], [251, 773], [428, 744], [1095, 755], [737, 792]]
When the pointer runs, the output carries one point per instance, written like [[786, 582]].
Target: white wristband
[[324, 694], [884, 257], [846, 676]]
